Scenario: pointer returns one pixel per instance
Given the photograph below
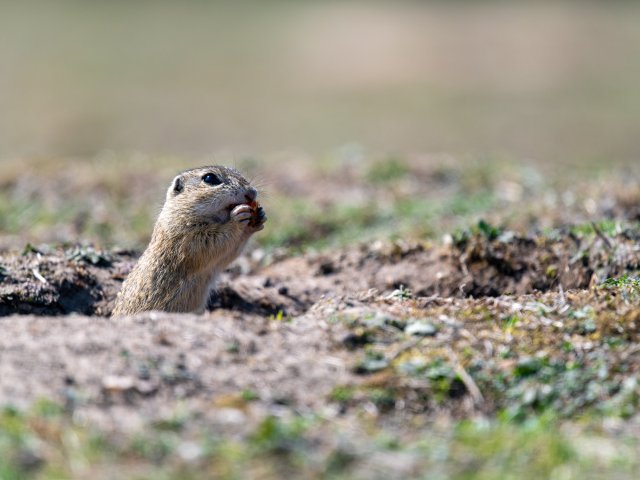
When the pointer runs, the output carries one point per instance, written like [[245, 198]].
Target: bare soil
[[288, 330]]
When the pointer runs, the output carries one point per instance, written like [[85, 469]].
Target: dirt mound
[[480, 265], [486, 264]]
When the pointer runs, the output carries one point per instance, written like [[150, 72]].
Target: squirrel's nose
[[251, 194]]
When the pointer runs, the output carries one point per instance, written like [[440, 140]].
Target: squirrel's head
[[207, 194]]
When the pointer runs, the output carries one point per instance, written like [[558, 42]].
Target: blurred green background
[[548, 81], [358, 119]]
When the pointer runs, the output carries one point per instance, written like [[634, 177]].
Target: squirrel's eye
[[211, 179]]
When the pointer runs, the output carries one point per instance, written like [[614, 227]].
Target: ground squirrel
[[208, 216]]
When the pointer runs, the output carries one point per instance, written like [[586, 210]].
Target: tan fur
[[197, 234]]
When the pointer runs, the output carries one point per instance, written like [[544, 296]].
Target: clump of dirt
[[61, 281], [511, 264]]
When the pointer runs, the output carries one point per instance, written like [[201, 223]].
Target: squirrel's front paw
[[252, 218], [258, 218]]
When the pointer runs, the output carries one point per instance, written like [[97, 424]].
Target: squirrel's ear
[[178, 185]]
